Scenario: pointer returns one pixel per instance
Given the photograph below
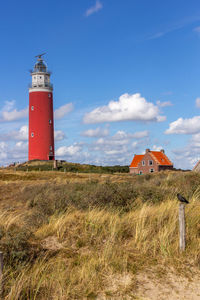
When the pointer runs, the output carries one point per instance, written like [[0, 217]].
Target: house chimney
[[147, 150], [162, 150]]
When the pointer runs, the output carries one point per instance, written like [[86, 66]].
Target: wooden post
[[55, 164], [1, 275], [182, 226]]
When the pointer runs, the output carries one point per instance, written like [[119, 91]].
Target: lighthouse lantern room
[[41, 124]]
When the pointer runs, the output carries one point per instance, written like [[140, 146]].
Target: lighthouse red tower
[[41, 126]]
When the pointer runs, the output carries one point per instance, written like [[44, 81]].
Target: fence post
[[55, 164], [182, 226], [1, 275]]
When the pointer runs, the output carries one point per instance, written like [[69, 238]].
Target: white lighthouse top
[[40, 76]]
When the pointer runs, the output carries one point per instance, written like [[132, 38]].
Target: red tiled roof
[[161, 158], [136, 160]]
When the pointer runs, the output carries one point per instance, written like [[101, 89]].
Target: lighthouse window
[[50, 148], [50, 121], [49, 95], [32, 134], [32, 107]]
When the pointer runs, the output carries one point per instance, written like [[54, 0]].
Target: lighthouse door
[[51, 157]]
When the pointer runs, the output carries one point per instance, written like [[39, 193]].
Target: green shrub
[[16, 246]]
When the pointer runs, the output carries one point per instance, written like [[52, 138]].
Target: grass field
[[89, 236]]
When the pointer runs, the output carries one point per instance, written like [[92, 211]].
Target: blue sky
[[126, 77]]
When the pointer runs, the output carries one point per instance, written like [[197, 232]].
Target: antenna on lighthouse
[[39, 56]]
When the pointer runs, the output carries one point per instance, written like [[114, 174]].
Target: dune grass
[[89, 240]]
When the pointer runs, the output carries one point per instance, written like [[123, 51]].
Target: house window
[[50, 148], [143, 163], [50, 121], [32, 107], [151, 170], [140, 172], [32, 134], [150, 162]]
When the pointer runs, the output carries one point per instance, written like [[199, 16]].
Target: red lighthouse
[[41, 127]]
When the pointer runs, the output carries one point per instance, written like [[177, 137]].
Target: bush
[[16, 246], [152, 194]]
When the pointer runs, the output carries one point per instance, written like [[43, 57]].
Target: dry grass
[[74, 251]]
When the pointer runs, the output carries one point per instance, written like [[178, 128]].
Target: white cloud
[[118, 140], [136, 135], [9, 105], [176, 26], [164, 104], [3, 151], [90, 11], [187, 157], [21, 146], [68, 150], [13, 152], [21, 135], [127, 108], [112, 141], [198, 102], [60, 112], [116, 151], [184, 126], [156, 148], [59, 135], [196, 139], [9, 113], [98, 132]]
